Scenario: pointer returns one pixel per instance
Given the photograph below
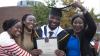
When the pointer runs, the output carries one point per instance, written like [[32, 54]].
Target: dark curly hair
[[9, 23]]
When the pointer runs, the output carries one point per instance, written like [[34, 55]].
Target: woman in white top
[[8, 46]]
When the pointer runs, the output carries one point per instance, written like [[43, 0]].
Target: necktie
[[50, 33], [47, 38]]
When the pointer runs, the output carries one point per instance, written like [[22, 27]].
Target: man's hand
[[59, 52]]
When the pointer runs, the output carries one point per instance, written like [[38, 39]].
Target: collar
[[55, 31]]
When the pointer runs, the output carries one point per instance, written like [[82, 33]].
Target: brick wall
[[12, 12]]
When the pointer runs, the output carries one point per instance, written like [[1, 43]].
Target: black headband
[[9, 23]]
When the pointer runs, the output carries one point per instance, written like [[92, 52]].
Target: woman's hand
[[36, 52], [76, 4], [59, 52], [79, 5]]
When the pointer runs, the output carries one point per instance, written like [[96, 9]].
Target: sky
[[89, 4]]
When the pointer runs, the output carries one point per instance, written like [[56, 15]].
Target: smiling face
[[54, 22], [78, 25], [30, 22], [16, 29]]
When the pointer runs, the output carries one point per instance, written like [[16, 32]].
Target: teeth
[[53, 24], [18, 33], [31, 25]]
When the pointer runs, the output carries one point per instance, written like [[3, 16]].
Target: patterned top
[[8, 46]]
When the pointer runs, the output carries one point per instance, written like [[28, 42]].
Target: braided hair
[[23, 26]]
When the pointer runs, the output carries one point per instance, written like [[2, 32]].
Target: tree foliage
[[66, 19], [41, 12], [95, 17], [51, 3], [67, 14]]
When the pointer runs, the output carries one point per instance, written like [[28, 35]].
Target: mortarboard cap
[[56, 12]]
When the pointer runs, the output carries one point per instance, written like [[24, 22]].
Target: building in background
[[28, 3], [23, 7]]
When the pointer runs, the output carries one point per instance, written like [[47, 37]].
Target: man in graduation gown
[[53, 28]]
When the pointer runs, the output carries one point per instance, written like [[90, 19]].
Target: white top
[[5, 39], [8, 46]]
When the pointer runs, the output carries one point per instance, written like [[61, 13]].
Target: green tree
[[95, 17], [50, 3], [67, 14], [41, 12]]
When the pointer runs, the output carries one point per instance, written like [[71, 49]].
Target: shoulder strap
[[37, 36], [45, 30], [65, 37], [38, 32]]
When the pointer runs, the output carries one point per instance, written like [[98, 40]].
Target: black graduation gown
[[85, 37], [62, 34]]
